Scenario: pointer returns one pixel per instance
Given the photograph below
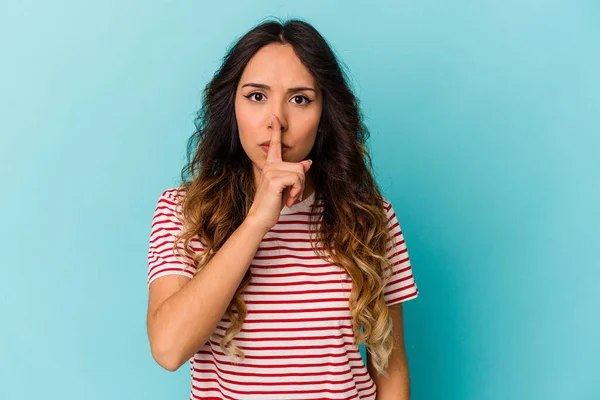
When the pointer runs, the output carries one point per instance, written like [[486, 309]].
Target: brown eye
[[301, 98], [257, 94]]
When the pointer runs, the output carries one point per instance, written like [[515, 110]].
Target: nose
[[282, 123], [279, 112]]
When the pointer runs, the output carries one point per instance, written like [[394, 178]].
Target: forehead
[[276, 64]]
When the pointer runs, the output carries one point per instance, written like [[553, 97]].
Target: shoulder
[[386, 202], [169, 203], [172, 197], [173, 194], [387, 207]]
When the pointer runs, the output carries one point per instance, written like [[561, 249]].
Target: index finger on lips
[[274, 152]]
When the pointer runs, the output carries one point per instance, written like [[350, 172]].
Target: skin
[[299, 110], [397, 386]]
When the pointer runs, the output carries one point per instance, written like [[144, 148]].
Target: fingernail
[[310, 162]]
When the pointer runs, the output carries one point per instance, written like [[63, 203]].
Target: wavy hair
[[219, 185]]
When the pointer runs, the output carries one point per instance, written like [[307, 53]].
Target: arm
[[183, 312], [397, 386]]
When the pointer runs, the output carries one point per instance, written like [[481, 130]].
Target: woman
[[278, 255]]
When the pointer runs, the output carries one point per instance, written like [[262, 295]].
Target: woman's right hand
[[280, 182]]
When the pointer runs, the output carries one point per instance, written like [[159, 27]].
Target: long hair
[[219, 187]]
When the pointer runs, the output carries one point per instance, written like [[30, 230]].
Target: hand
[[280, 182]]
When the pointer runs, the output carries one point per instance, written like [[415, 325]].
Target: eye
[[295, 98], [298, 100], [255, 94]]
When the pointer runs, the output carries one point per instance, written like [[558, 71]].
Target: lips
[[283, 149]]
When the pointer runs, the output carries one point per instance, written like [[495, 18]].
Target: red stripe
[[285, 265], [300, 310], [406, 278], [277, 366], [294, 329], [272, 284], [274, 248], [300, 338], [279, 321], [260, 293], [302, 301], [257, 392], [257, 375]]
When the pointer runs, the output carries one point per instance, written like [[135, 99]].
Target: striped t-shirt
[[297, 336]]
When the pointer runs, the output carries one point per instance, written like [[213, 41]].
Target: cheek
[[249, 127], [305, 140], [311, 118], [309, 124], [249, 121]]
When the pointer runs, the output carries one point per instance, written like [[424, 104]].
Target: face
[[275, 81]]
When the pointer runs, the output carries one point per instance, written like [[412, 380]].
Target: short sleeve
[[402, 285], [167, 223]]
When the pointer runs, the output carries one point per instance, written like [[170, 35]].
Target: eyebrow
[[267, 87]]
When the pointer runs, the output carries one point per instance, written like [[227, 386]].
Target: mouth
[[283, 148]]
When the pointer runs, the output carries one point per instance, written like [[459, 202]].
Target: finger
[[306, 164], [294, 194], [274, 152], [298, 167], [291, 184], [285, 196], [296, 190]]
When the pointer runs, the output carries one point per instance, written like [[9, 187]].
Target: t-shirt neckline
[[304, 205]]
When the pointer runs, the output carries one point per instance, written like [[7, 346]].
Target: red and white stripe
[[297, 336]]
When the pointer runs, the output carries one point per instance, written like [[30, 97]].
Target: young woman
[[277, 255]]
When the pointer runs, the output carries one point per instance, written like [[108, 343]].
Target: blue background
[[485, 122]]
